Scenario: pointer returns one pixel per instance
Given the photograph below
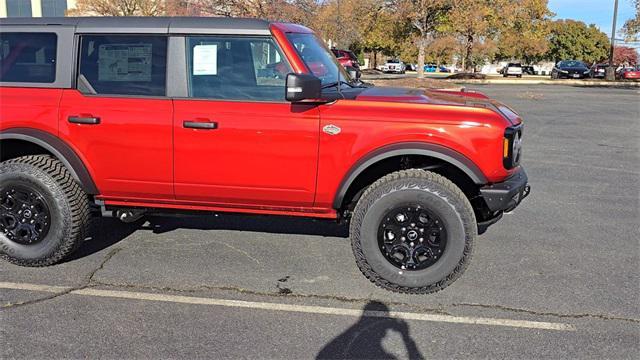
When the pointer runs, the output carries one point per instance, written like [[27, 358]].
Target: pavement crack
[[106, 259], [89, 281], [545, 313]]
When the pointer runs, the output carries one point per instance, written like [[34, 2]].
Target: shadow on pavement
[[106, 232], [363, 340], [256, 223]]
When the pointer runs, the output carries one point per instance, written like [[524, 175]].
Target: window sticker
[[124, 62], [205, 60]]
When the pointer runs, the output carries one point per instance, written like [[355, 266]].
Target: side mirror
[[303, 87]]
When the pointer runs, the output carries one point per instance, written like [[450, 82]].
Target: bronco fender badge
[[331, 129]]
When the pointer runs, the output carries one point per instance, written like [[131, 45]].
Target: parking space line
[[131, 295]]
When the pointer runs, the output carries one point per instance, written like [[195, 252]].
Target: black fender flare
[[59, 149], [409, 148]]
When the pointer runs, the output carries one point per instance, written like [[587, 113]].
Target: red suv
[[128, 116], [349, 61]]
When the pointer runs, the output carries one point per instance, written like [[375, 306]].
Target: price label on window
[[205, 60]]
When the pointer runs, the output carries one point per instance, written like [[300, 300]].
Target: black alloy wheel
[[412, 237], [24, 215]]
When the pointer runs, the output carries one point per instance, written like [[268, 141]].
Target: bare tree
[[118, 8]]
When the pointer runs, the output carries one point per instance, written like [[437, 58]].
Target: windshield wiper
[[336, 83]]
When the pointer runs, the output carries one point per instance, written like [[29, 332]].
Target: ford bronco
[[131, 116]]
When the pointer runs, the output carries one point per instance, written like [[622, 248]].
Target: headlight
[[586, 72], [564, 71], [512, 147]]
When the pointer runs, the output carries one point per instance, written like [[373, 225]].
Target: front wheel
[[412, 231], [44, 214]]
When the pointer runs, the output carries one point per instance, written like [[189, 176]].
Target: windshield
[[320, 60], [571, 63]]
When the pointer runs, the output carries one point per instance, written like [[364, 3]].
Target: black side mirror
[[303, 87]]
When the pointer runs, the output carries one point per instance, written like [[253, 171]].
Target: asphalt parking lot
[[559, 278]]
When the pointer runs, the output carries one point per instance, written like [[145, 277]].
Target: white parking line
[[117, 294]]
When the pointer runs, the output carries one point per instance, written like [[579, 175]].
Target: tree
[[525, 30], [118, 8], [425, 16], [475, 22], [575, 40], [381, 34], [631, 27], [625, 55]]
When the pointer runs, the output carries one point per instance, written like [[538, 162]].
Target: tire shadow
[[363, 340]]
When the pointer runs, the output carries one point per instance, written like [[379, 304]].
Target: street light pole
[[611, 70]]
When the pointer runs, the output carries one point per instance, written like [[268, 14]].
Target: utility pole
[[611, 70], [337, 22]]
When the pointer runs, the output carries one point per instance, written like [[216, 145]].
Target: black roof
[[126, 24]]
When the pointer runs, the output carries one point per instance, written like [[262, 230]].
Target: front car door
[[237, 141]]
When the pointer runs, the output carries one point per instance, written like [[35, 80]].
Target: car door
[[118, 119], [237, 142]]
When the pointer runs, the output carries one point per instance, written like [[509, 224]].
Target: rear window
[[124, 64], [28, 57]]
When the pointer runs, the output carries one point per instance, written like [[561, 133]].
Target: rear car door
[[119, 119], [237, 141]]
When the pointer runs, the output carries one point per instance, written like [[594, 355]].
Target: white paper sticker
[[124, 62], [205, 60]]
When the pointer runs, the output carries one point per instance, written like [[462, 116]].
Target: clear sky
[[598, 12]]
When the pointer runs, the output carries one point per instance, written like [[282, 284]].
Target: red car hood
[[437, 97], [440, 97]]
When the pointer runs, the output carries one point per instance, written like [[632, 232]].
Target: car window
[[236, 68], [28, 57], [571, 63], [124, 64]]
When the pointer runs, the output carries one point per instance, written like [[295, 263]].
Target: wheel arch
[[446, 156], [33, 139]]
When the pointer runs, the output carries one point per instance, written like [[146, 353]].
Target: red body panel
[[261, 154], [368, 125], [129, 154], [29, 108]]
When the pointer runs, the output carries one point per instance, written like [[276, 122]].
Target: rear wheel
[[412, 231], [44, 214]]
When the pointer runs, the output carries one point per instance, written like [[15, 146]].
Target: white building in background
[[35, 8]]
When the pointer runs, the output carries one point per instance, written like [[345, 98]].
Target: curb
[[585, 83]]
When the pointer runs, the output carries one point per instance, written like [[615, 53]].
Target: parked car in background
[[410, 67], [570, 69], [512, 69], [430, 68], [348, 60], [598, 70], [394, 66], [629, 73], [443, 69], [528, 69]]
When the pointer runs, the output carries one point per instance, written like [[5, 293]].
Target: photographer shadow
[[363, 340]]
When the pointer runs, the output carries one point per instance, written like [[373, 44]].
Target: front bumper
[[507, 195]]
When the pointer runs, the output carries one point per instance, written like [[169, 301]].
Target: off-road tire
[[432, 191], [68, 204]]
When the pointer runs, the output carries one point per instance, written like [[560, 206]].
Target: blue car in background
[[430, 68]]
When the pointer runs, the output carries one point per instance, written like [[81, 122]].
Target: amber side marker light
[[505, 148]]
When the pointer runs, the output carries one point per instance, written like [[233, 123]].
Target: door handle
[[84, 120], [200, 125]]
